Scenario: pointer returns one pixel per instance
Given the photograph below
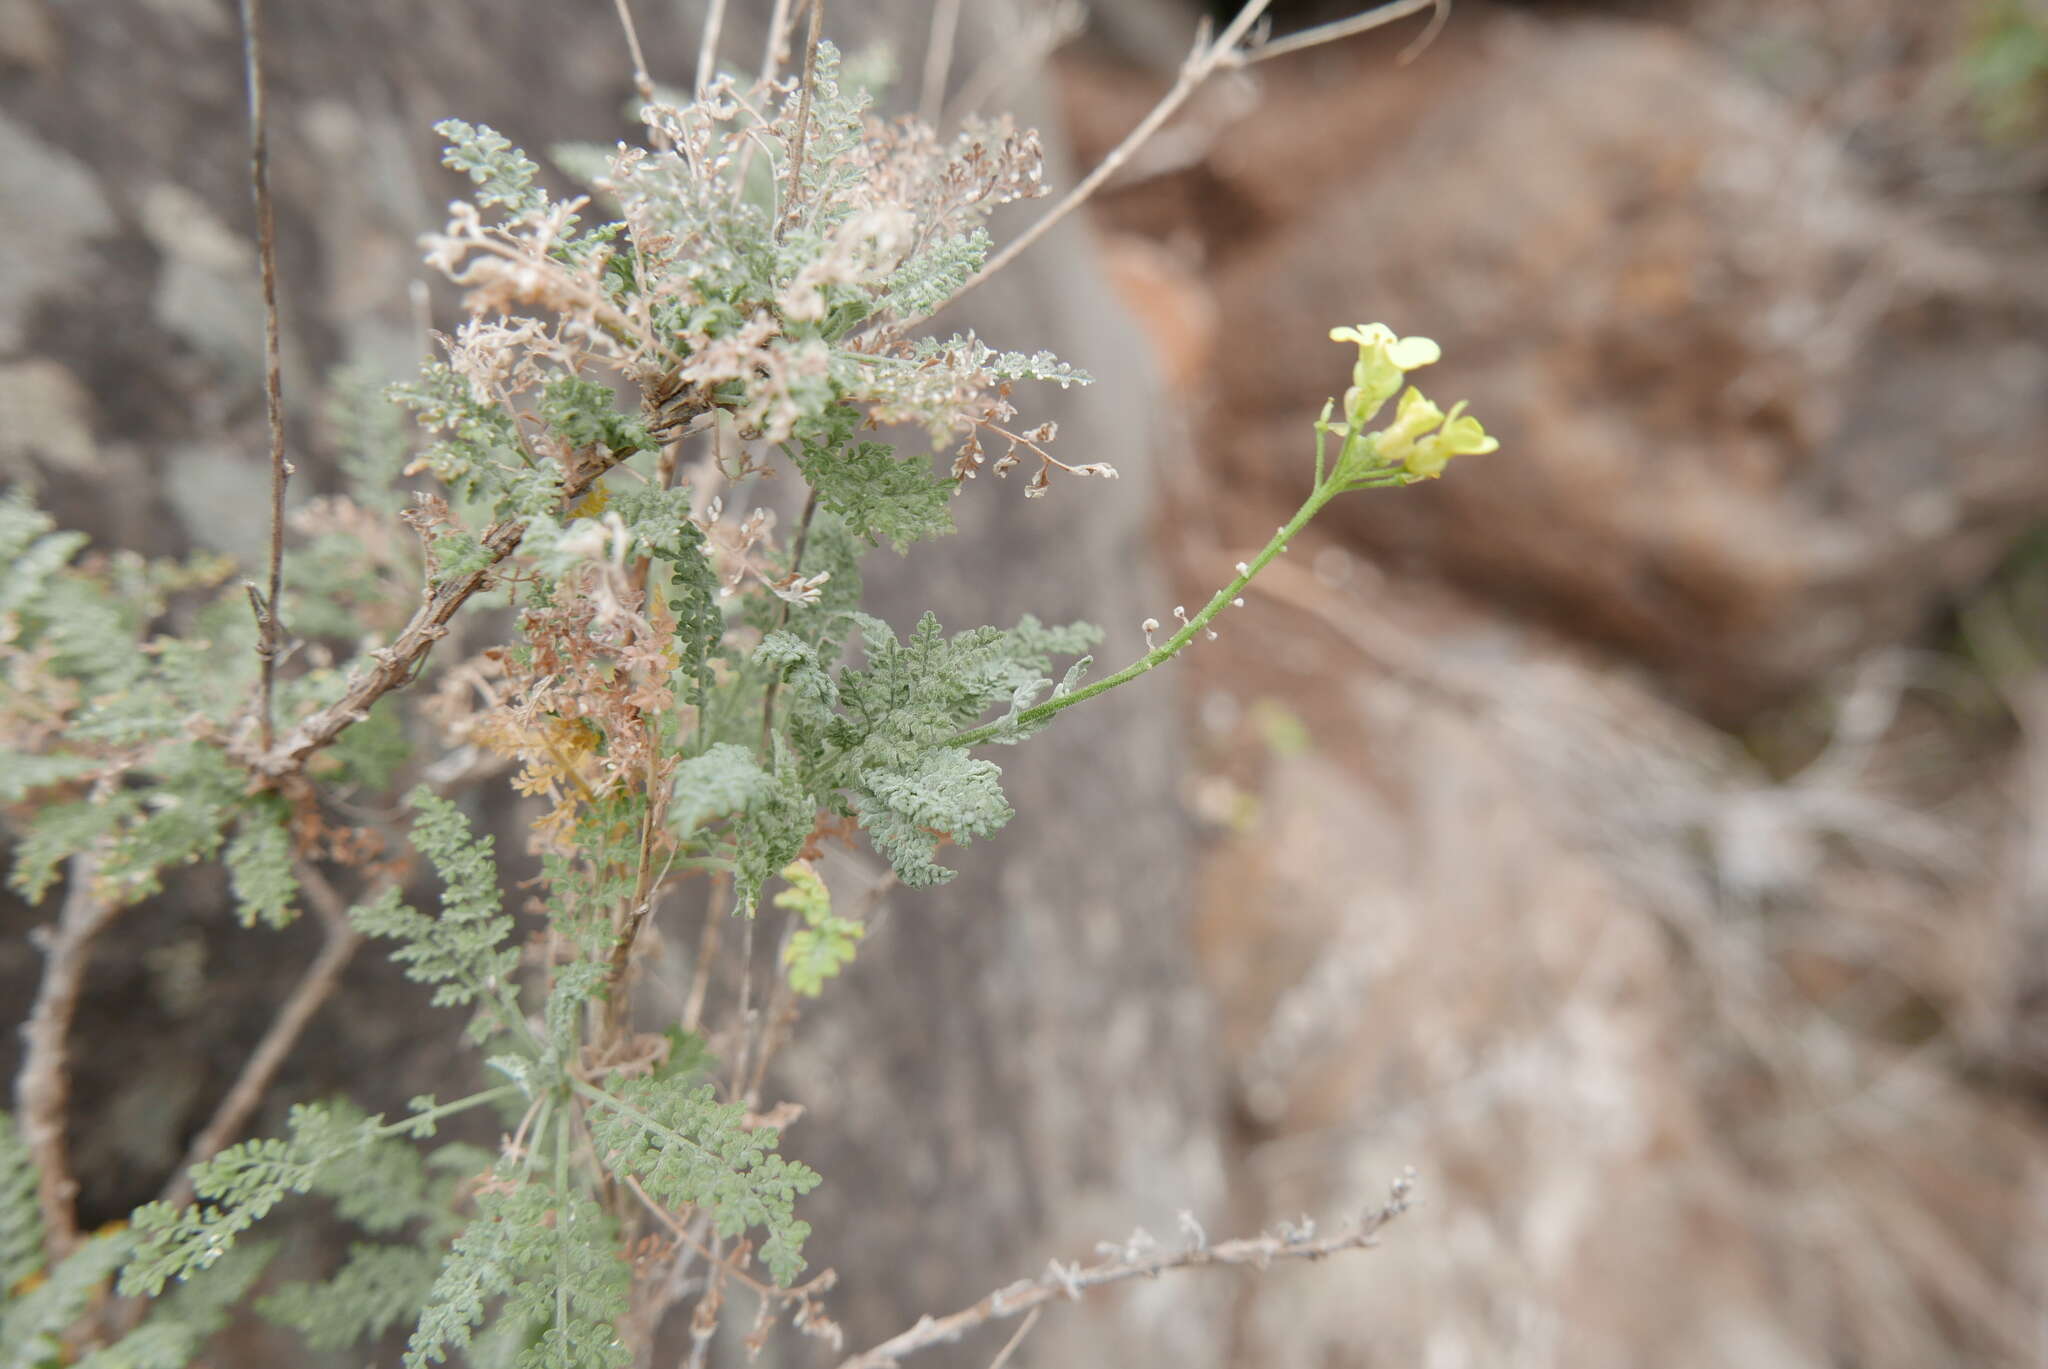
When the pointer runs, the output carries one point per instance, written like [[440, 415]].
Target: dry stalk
[[267, 647], [778, 28], [707, 50], [707, 951], [1042, 31], [745, 1015], [396, 664], [1357, 23], [938, 60], [1016, 1339], [43, 1088], [1140, 1258], [793, 197], [1227, 51], [646, 893], [642, 82]]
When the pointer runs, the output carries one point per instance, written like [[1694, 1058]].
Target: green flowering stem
[[1416, 445], [1173, 645]]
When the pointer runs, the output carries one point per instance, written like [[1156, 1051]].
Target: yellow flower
[[1383, 359], [1461, 435], [1415, 417]]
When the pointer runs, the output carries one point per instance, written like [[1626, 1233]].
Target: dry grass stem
[[268, 647]]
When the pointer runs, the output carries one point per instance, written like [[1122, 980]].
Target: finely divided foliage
[[691, 699], [655, 631]]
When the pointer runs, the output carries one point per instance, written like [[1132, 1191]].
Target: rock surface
[[1709, 1047], [1765, 418]]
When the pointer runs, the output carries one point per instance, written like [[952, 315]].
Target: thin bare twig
[[43, 1088], [704, 1321], [1044, 30], [267, 646], [642, 82], [776, 1023], [793, 197], [1440, 16], [1016, 1339], [784, 1008], [1344, 28], [744, 1017], [1142, 1257], [307, 996], [1225, 52], [938, 60], [778, 25], [396, 664], [707, 50], [707, 951], [646, 887]]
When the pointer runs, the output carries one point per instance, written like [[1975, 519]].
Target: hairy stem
[[405, 1125], [1173, 645], [744, 1018]]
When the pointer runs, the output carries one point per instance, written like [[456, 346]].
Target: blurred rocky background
[[1643, 832]]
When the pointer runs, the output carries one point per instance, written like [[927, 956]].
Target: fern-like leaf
[[551, 1255], [178, 1326], [259, 861], [688, 1149], [462, 952], [21, 1221], [235, 1190], [32, 1325], [377, 1288]]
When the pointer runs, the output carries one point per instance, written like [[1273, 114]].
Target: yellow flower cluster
[[1422, 438]]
